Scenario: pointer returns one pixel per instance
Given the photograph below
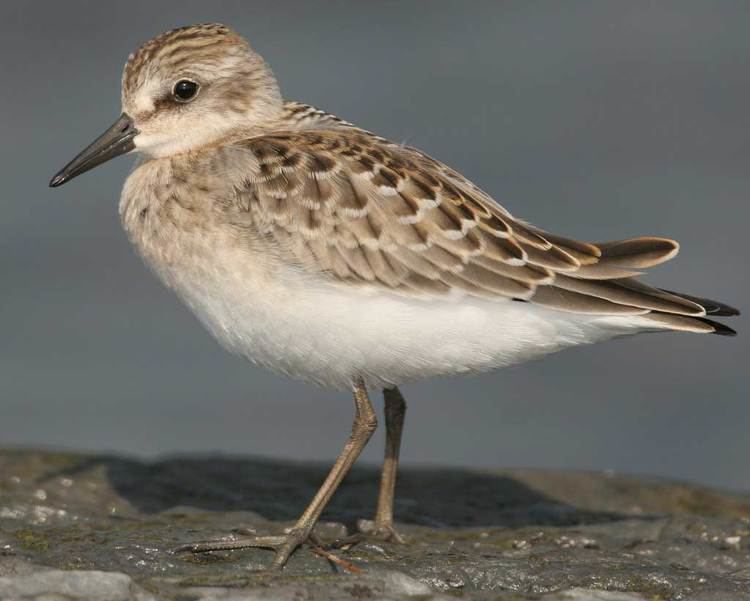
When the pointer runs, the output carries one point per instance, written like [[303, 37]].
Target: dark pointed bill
[[117, 140]]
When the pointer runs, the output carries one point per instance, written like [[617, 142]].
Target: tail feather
[[674, 310], [600, 279], [719, 328], [683, 323]]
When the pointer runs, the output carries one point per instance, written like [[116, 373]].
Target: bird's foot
[[382, 531], [283, 544]]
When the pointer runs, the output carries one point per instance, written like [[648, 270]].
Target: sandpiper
[[325, 252]]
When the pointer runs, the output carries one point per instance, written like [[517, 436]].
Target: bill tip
[[57, 181]]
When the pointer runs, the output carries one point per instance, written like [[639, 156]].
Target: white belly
[[326, 333]]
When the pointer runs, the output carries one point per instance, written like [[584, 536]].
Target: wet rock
[[73, 584], [100, 527], [580, 594]]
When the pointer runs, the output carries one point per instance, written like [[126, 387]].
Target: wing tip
[[684, 323], [719, 328], [711, 307]]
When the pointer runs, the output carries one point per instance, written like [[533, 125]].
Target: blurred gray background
[[596, 119]]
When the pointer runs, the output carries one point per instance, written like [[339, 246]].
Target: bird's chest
[[167, 217], [180, 236], [247, 299]]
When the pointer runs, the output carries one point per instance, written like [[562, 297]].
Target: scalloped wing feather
[[364, 210]]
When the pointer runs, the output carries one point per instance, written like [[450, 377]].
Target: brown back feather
[[366, 211]]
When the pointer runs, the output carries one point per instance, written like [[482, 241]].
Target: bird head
[[185, 89]]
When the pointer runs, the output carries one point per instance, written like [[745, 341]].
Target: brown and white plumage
[[296, 191], [313, 202], [325, 252], [366, 211], [279, 222]]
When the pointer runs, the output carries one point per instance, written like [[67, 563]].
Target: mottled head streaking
[[184, 89], [190, 86]]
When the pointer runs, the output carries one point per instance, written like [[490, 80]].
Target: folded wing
[[366, 211]]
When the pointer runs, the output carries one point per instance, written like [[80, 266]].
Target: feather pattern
[[325, 252], [354, 207]]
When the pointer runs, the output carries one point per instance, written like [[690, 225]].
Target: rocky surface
[[102, 528]]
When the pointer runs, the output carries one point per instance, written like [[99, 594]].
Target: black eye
[[185, 90]]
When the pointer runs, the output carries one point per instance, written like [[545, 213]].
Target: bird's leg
[[365, 422], [382, 525]]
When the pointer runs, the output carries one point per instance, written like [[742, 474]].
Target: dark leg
[[364, 425], [395, 410]]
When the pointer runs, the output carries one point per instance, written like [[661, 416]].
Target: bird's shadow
[[280, 490]]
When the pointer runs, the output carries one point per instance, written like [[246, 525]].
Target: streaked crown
[[195, 85]]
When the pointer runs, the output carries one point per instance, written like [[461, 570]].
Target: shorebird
[[322, 251]]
